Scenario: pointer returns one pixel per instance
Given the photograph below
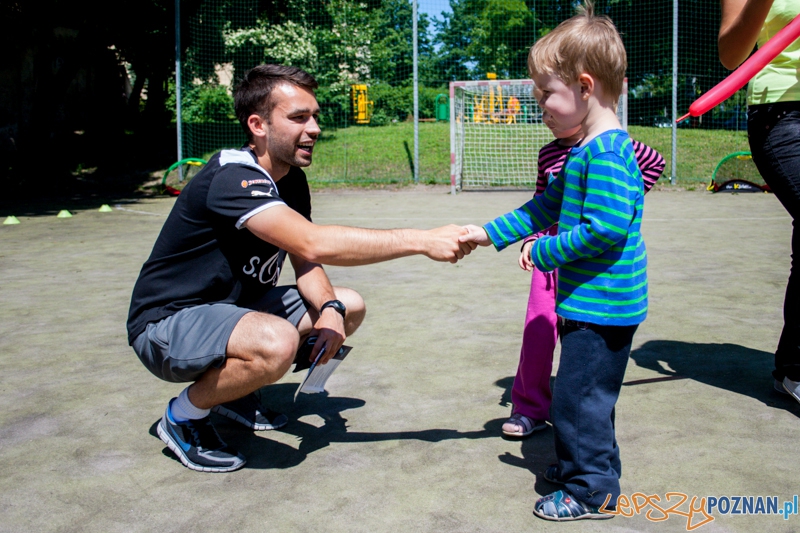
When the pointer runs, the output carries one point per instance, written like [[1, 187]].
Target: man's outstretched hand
[[475, 235], [444, 244]]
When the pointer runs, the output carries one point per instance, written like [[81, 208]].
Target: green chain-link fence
[[362, 53]]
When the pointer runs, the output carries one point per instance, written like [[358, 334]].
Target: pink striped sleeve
[[650, 163]]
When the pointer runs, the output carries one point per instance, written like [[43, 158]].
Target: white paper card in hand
[[318, 375]]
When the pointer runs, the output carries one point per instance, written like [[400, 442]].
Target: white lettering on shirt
[[269, 272]]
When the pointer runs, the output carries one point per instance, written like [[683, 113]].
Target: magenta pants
[[531, 393]]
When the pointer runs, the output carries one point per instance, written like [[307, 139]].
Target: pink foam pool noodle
[[739, 77]]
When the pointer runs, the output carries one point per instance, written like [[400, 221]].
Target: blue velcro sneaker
[[562, 506]]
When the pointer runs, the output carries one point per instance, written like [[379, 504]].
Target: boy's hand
[[525, 262], [475, 234]]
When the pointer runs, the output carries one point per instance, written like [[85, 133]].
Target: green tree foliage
[[397, 103], [503, 37], [646, 29], [392, 50], [482, 36], [344, 58], [342, 42], [453, 38], [204, 104]]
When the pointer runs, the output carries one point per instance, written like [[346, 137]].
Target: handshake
[[451, 243]]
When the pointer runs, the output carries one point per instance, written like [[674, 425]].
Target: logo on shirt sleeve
[[247, 183]]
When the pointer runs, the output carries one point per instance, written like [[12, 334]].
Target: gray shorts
[[181, 347]]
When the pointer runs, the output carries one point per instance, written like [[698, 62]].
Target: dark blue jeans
[[774, 134], [590, 373]]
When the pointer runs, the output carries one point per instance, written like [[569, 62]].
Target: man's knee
[[280, 350], [268, 342], [356, 308]]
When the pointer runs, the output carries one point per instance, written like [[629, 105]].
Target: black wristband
[[336, 304]]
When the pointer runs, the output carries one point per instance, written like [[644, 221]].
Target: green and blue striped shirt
[[597, 200]]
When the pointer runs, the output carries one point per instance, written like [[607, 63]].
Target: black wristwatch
[[336, 304]]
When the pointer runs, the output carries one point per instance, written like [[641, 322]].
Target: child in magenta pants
[[531, 395]]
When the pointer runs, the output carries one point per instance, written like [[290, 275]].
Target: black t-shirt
[[204, 254]]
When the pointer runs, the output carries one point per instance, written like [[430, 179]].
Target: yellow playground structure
[[492, 108], [362, 106]]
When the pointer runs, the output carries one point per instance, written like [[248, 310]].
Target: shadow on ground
[[537, 450], [730, 367], [726, 366], [265, 453]]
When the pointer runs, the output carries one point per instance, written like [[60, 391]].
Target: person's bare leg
[[260, 351], [356, 311]]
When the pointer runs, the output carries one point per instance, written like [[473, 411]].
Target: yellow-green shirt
[[779, 81]]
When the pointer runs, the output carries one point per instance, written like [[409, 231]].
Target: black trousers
[[774, 134]]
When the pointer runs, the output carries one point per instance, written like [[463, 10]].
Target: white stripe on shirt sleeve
[[254, 212]]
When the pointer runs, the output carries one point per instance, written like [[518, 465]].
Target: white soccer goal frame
[[530, 132]]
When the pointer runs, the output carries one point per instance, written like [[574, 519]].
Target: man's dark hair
[[253, 94]]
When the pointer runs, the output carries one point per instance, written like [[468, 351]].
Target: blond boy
[[578, 71]]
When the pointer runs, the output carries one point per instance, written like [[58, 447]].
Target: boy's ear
[[587, 84]]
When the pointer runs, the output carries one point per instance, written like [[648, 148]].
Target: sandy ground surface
[[407, 438]]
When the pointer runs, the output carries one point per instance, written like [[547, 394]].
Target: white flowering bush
[[288, 43]]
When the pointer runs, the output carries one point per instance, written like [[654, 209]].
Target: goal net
[[496, 132], [737, 173]]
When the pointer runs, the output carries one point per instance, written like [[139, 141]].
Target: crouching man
[[206, 309]]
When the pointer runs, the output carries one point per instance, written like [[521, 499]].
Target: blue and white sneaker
[[562, 506], [249, 412], [197, 444]]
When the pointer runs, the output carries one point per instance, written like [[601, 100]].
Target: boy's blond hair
[[584, 43]]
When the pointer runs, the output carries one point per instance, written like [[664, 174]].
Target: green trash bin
[[442, 108]]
